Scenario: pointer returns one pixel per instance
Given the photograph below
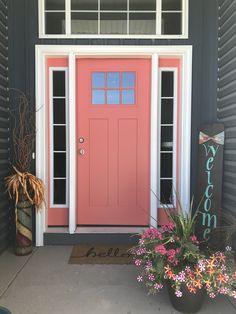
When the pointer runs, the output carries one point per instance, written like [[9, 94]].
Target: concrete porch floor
[[44, 283]]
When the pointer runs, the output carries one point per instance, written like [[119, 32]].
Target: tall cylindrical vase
[[23, 245]]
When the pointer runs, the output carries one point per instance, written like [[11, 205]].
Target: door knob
[[82, 151]]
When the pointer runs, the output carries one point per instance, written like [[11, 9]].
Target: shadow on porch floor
[[44, 283]]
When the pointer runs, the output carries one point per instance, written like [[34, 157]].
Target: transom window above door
[[113, 18]]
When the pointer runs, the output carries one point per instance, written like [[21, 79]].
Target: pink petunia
[[160, 249], [140, 278], [178, 293]]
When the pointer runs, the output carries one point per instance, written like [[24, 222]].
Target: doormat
[[101, 254]]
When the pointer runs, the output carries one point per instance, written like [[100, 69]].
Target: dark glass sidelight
[[167, 109], [166, 192], [59, 197], [59, 165], [167, 84], [59, 88], [59, 111], [166, 165], [59, 138], [166, 138]]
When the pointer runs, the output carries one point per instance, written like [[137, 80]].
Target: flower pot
[[23, 244], [189, 302]]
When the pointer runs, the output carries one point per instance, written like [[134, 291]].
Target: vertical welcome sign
[[209, 190]]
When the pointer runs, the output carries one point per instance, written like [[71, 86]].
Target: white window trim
[[41, 25], [51, 70], [73, 51]]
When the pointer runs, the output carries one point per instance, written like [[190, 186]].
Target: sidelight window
[[167, 148], [58, 138]]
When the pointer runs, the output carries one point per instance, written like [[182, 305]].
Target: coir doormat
[[101, 254]]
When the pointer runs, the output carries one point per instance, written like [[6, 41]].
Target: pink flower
[[212, 295], [148, 265], [178, 293], [158, 286], [194, 238], [138, 262], [140, 278], [160, 249], [181, 276], [151, 277]]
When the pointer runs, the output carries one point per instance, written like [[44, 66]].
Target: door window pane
[[113, 23], [113, 5], [98, 80], [139, 5], [171, 5], [171, 23], [59, 111], [59, 191], [113, 79], [55, 23], [128, 97], [84, 23], [113, 97], [59, 137], [167, 111], [54, 4], [128, 79], [84, 5], [59, 165], [98, 97], [167, 84], [142, 23], [59, 84]]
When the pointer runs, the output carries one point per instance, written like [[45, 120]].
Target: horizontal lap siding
[[227, 97], [4, 128]]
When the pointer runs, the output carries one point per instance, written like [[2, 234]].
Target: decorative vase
[[189, 302], [23, 245]]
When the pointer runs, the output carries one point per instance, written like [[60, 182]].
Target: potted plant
[[26, 189], [171, 256]]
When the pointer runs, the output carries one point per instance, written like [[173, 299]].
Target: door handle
[[82, 151]]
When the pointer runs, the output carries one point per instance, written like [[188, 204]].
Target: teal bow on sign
[[218, 138]]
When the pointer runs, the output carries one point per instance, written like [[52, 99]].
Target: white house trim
[[73, 51]]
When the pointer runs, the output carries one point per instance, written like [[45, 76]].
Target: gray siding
[[23, 25], [4, 127], [227, 97]]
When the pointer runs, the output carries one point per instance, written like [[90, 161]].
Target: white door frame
[[74, 51]]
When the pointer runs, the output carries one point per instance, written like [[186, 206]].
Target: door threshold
[[109, 229]]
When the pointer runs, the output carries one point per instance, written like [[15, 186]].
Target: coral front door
[[113, 148]]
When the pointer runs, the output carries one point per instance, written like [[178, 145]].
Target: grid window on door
[[59, 153], [167, 129], [113, 88]]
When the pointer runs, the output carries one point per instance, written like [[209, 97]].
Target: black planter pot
[[3, 310], [189, 302]]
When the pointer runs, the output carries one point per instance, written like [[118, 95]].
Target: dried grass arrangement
[[26, 189]]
